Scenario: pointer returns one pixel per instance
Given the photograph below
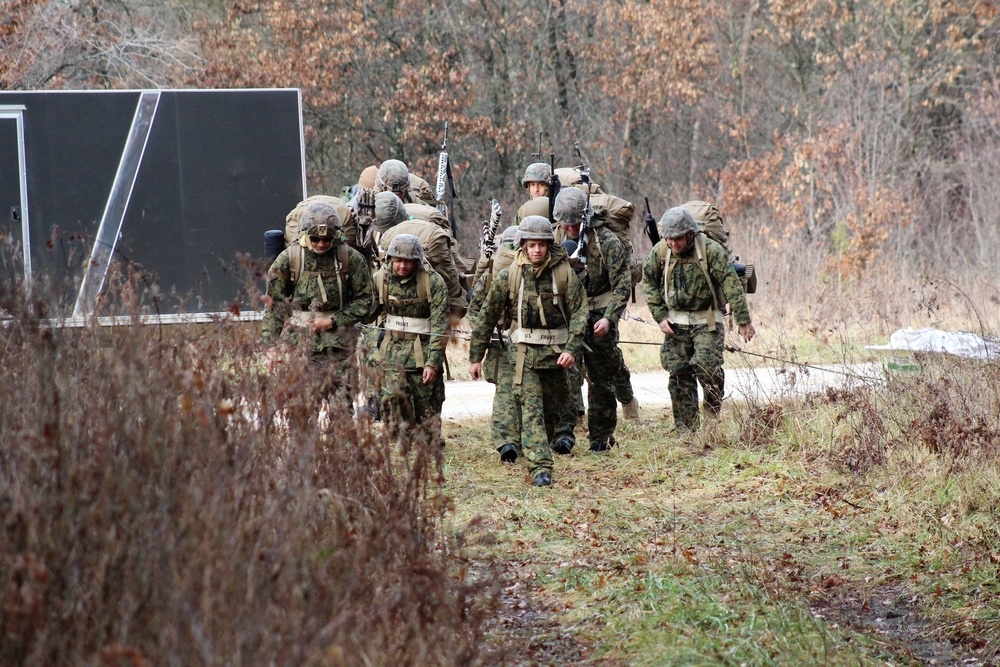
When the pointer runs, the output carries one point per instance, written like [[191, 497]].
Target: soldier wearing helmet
[[505, 422], [543, 300], [536, 182], [394, 176], [536, 179], [607, 280], [412, 311], [393, 217], [319, 287], [688, 279]]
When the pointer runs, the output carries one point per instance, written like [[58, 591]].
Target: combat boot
[[603, 445], [543, 478], [563, 444], [508, 453], [630, 410]]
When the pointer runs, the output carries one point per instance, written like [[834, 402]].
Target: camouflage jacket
[[499, 303], [403, 300], [607, 269], [307, 294], [689, 291]]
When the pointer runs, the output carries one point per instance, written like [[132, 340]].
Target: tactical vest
[[397, 326], [342, 269], [521, 336], [669, 261]]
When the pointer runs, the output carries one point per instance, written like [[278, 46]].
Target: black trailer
[[178, 184]]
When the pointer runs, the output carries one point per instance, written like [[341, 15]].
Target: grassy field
[[855, 528]]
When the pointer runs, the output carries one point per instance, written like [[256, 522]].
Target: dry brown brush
[[162, 501]]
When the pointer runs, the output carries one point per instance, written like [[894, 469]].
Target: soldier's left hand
[[747, 331], [566, 360], [430, 374], [602, 327]]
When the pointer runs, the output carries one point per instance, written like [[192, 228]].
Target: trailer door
[[15, 262]]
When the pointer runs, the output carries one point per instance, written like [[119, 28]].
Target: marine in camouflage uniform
[[331, 293], [412, 310], [608, 284], [536, 182], [686, 303], [498, 369], [547, 336], [394, 176]]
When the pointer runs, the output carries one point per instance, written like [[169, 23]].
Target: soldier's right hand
[[476, 370], [666, 328]]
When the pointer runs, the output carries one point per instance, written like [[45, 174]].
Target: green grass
[[709, 551]]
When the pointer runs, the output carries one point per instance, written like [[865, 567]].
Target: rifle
[[588, 213], [651, 231], [554, 186], [537, 157], [364, 202], [445, 183], [579, 156], [488, 244]]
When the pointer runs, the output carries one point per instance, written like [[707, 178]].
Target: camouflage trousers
[[605, 368], [538, 402], [410, 406], [505, 421], [693, 355], [622, 382], [574, 407], [339, 370]]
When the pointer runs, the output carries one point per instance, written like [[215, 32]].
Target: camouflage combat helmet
[[392, 175], [405, 246], [389, 211], [537, 172], [319, 218], [367, 177], [509, 235], [675, 223], [570, 206], [535, 227]]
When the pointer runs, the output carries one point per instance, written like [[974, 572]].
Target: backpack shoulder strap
[[296, 258], [514, 280], [424, 285], [381, 280]]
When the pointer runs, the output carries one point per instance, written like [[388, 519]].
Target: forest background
[[848, 143]]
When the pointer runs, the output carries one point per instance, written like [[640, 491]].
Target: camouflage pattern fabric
[[540, 396], [538, 402], [339, 369], [622, 383], [439, 250], [694, 354], [691, 292], [306, 295], [607, 269], [498, 369], [405, 399], [573, 406]]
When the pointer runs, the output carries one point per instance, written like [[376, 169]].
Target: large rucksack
[[711, 224], [348, 224], [614, 212]]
